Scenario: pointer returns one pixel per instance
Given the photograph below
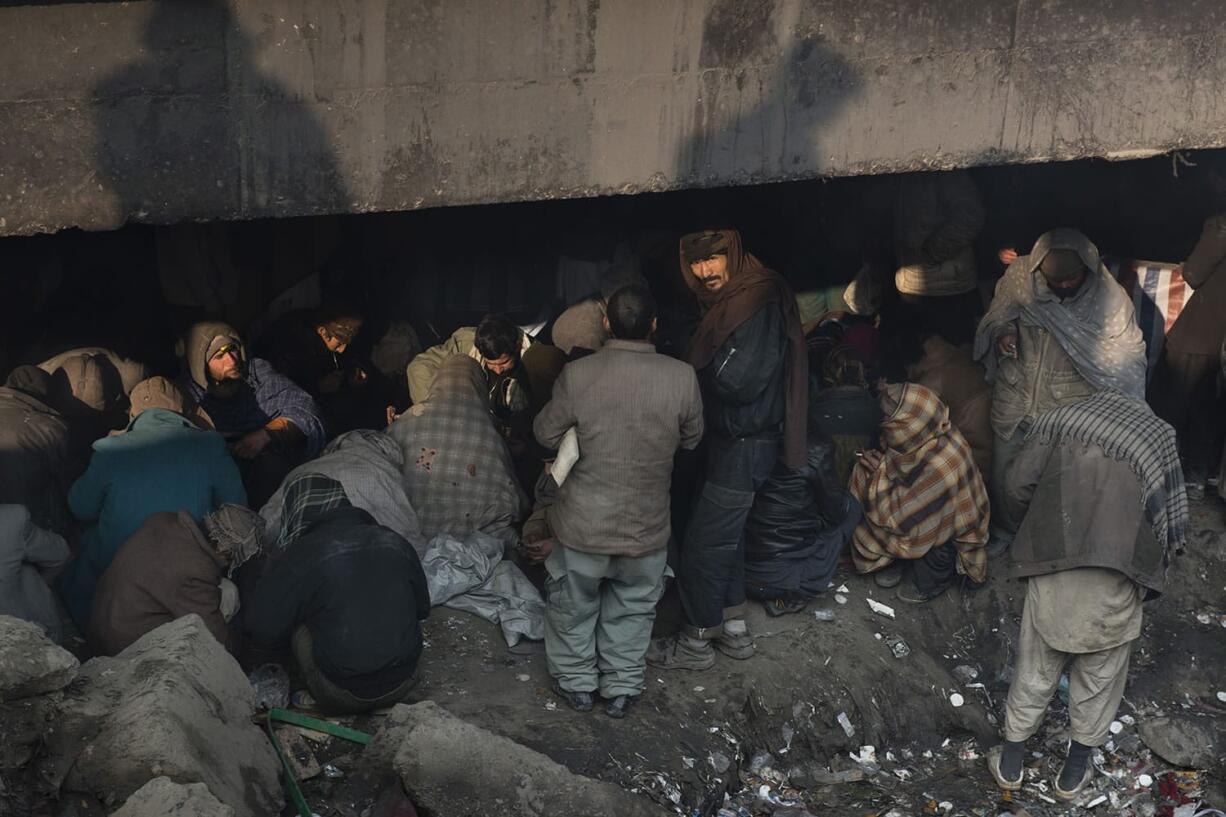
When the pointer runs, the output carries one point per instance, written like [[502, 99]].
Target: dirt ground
[[727, 738]]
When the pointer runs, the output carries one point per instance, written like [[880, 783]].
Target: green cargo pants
[[599, 618]]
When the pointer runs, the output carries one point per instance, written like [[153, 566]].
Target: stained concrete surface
[[234, 109], [694, 735]]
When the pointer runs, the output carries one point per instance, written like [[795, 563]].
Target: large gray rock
[[162, 796], [1191, 742], [450, 767], [173, 704], [30, 663]]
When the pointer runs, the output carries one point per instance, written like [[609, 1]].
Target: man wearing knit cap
[[1059, 330], [749, 352], [173, 567], [271, 423]]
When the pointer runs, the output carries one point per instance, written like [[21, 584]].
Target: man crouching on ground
[[1104, 490], [631, 408]]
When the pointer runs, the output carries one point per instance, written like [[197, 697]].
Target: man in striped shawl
[[923, 498], [1101, 488]]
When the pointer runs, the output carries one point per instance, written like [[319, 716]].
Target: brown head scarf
[[750, 287]]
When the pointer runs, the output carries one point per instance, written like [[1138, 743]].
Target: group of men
[[807, 452]]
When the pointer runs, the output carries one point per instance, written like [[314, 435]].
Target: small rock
[[162, 796], [956, 700], [30, 663], [1144, 781], [1181, 741], [523, 676]]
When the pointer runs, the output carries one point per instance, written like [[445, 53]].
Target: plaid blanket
[[925, 492], [307, 498], [1158, 294], [457, 469], [1129, 431]]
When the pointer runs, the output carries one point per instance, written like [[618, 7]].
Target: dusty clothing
[[598, 622], [959, 383], [368, 466], [264, 395], [308, 498], [581, 327], [749, 349], [850, 418], [1066, 349], [1096, 676], [937, 217], [39, 458], [801, 520], [1084, 500], [925, 492], [423, 368], [333, 697], [163, 463], [164, 571], [1200, 328], [632, 409], [360, 591], [29, 557], [130, 372], [457, 470]]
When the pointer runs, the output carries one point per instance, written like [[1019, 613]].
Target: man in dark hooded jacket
[[749, 352], [271, 423]]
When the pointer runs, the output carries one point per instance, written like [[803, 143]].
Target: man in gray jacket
[[1101, 489], [631, 409]]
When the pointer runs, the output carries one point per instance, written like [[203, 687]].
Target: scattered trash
[[551, 706], [956, 700], [1097, 801], [823, 615], [1204, 618], [719, 761], [880, 609], [845, 722], [270, 682], [945, 806], [1144, 781], [840, 599], [866, 757], [898, 646], [700, 689], [297, 753], [332, 771], [842, 588], [965, 674], [1221, 696], [523, 676], [1116, 727]]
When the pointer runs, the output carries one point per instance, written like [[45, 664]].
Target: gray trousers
[[1004, 452], [599, 617], [1096, 685]]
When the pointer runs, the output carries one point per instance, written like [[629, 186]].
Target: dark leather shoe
[[620, 706], [578, 701]]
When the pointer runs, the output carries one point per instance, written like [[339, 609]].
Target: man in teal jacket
[[163, 462]]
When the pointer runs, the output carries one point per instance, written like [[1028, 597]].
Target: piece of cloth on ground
[[925, 492], [457, 471], [367, 464], [470, 574]]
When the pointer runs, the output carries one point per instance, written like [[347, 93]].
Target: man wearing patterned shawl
[[924, 500]]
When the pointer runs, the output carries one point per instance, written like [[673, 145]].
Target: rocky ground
[[764, 737]]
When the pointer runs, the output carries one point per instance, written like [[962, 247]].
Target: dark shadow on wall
[[197, 128]]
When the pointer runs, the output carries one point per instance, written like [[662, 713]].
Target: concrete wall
[[160, 112]]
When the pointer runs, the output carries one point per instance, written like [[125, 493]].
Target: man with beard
[[269, 421], [749, 352]]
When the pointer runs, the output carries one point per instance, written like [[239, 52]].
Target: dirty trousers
[[711, 580], [1004, 452], [1096, 685], [598, 618]]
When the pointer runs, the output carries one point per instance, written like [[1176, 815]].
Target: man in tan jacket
[[632, 409]]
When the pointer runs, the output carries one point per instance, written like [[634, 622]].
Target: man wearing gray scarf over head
[[1059, 330]]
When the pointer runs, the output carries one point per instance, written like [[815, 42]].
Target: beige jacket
[[424, 365], [1041, 377]]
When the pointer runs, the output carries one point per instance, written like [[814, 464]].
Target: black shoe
[[578, 701], [620, 706]]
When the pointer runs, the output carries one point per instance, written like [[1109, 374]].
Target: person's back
[[28, 557], [38, 456], [633, 408], [358, 588]]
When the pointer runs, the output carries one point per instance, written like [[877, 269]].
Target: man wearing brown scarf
[[749, 352]]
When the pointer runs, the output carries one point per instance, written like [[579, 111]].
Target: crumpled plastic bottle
[[270, 683]]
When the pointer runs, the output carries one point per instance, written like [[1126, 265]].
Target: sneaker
[[681, 652], [738, 644], [994, 755], [911, 594], [578, 701], [1066, 795], [619, 707], [889, 576]]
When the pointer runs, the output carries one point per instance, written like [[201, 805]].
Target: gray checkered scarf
[[307, 498], [1127, 430], [457, 469]]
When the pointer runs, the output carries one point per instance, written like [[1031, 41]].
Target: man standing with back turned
[[749, 352], [631, 409]]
